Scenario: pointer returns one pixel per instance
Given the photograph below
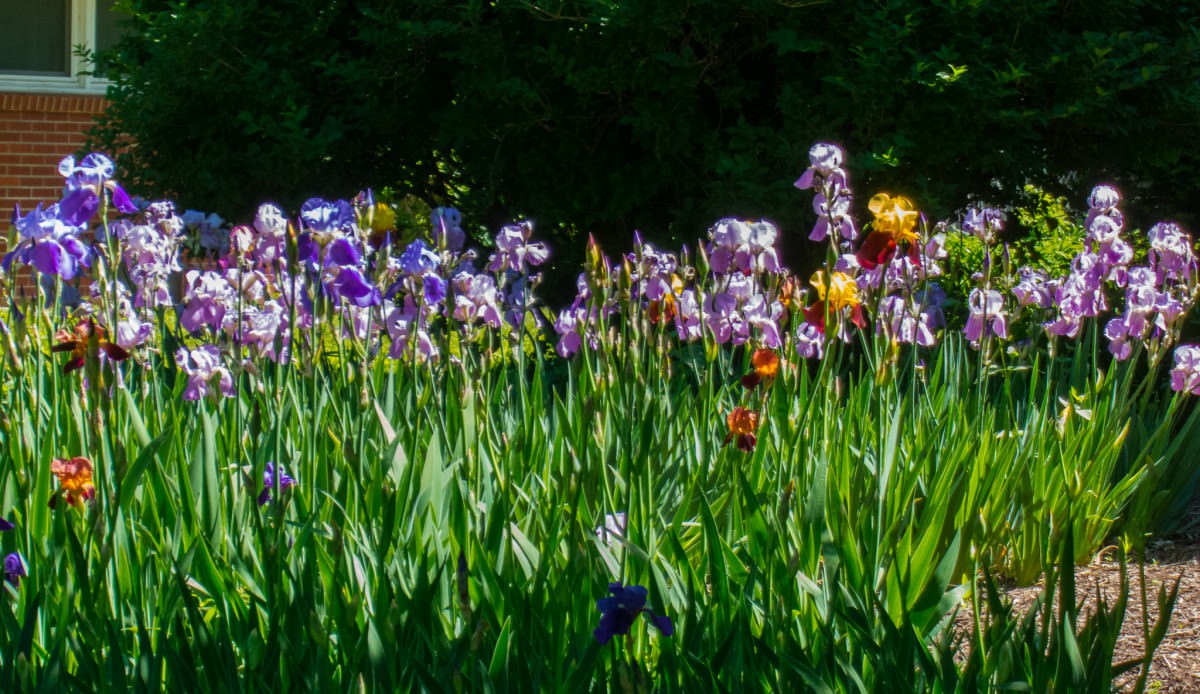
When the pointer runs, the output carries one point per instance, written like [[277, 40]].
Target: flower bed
[[334, 460]]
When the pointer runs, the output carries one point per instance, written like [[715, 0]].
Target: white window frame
[[82, 15]]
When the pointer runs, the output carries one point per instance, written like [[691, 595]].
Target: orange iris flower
[[743, 424], [766, 368], [74, 479], [76, 342]]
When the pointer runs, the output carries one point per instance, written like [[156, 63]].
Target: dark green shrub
[[601, 116]]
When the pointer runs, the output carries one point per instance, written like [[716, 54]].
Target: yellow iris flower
[[895, 216]]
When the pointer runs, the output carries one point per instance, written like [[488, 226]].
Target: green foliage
[[1052, 235], [597, 116], [443, 530]]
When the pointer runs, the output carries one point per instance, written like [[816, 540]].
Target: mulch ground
[[1176, 665]]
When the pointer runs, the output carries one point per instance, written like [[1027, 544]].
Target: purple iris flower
[[351, 285], [1171, 252], [208, 298], [904, 321], [274, 479], [418, 259], [5, 526], [621, 609], [14, 569], [1033, 288], [272, 226], [342, 253], [324, 216], [568, 324], [832, 201], [435, 288], [48, 242], [476, 298], [406, 326], [85, 181], [833, 210], [748, 247]]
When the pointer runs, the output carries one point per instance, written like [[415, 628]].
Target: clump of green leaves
[[1050, 232]]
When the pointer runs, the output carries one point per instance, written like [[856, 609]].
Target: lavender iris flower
[[1171, 253], [203, 366], [208, 298], [984, 223], [568, 325], [832, 201], [621, 609], [986, 310], [447, 223], [435, 288], [612, 533], [476, 298], [1185, 375], [514, 251], [688, 316]]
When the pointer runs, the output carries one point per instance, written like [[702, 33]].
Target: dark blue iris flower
[[621, 609], [5, 526]]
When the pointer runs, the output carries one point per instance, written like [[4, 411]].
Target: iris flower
[[621, 609], [5, 526], [85, 183], [742, 424], [839, 293], [74, 479], [78, 341], [766, 368], [274, 478], [14, 569], [895, 223]]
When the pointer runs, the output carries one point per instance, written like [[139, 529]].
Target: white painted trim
[[83, 31]]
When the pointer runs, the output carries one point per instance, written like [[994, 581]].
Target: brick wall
[[36, 132]]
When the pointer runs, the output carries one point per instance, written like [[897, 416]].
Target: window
[[38, 40]]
